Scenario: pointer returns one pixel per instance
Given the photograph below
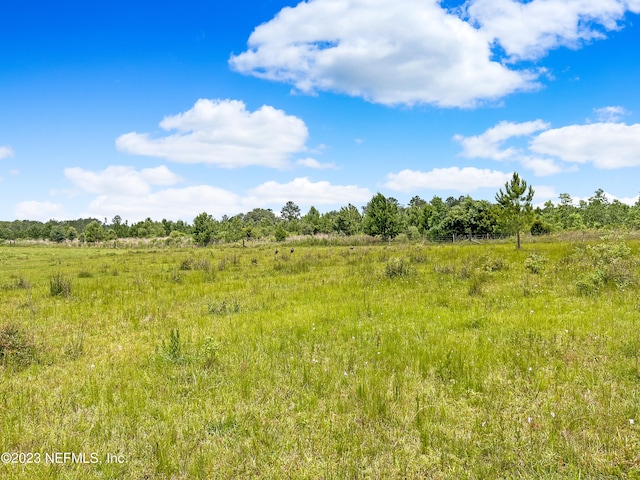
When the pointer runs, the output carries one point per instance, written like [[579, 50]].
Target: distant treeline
[[382, 216]]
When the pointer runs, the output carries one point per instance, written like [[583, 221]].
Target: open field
[[381, 361]]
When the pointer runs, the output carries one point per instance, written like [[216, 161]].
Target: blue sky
[[164, 109]]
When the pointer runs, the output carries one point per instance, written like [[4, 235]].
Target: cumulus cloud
[[611, 114], [528, 30], [223, 133], [138, 194], [606, 145], [464, 180], [121, 179], [417, 52], [394, 53], [42, 211], [489, 143], [305, 192], [5, 152], [171, 203], [313, 163], [543, 167]]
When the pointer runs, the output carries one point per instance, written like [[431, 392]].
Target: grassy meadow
[[378, 361]]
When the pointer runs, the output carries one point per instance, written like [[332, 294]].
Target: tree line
[[511, 213]]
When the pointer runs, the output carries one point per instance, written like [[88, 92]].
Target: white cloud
[[394, 53], [127, 192], [528, 30], [43, 211], [5, 152], [543, 167], [117, 179], [606, 145], [610, 114], [171, 203], [225, 134], [464, 180], [304, 192], [544, 193], [313, 163], [417, 52], [489, 143]]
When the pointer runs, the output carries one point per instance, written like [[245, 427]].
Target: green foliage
[[607, 263], [203, 229], [381, 217], [397, 267], [173, 350], [290, 211], [515, 201], [192, 264], [17, 348], [59, 285], [535, 263], [280, 233], [379, 376], [223, 307], [94, 232]]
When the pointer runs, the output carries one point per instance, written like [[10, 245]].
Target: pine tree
[[517, 211]]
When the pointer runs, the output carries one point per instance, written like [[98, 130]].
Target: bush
[[60, 286], [397, 267], [17, 348], [535, 263], [608, 263]]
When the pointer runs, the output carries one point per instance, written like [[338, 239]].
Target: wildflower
[[631, 422], [553, 415], [529, 419], [530, 369]]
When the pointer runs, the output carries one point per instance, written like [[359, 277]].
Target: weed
[[397, 267], [17, 348], [85, 274], [59, 286], [222, 307], [535, 263], [173, 351], [477, 280], [210, 353], [75, 348]]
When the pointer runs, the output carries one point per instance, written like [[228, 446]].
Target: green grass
[[400, 361]]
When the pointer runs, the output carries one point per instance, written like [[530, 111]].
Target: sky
[[167, 109]]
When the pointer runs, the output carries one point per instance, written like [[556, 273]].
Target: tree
[[94, 232], [57, 234], [311, 221], [515, 202], [290, 211], [348, 220], [203, 229], [381, 217]]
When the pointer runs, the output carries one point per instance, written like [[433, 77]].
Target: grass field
[[381, 361]]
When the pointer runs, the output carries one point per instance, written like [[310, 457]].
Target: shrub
[[17, 348], [397, 267], [606, 263], [535, 263], [59, 286]]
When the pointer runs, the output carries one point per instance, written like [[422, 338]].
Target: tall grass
[[379, 361]]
